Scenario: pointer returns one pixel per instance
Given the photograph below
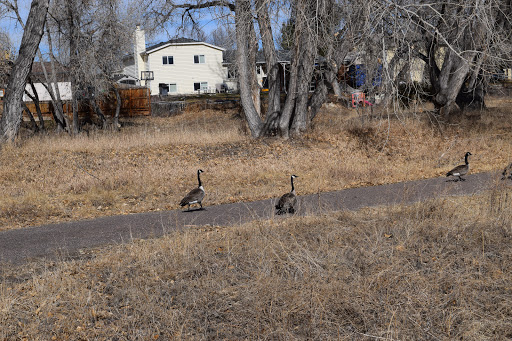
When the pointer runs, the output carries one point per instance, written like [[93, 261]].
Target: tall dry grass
[[152, 162], [439, 270]]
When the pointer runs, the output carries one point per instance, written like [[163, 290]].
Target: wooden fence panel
[[135, 102]]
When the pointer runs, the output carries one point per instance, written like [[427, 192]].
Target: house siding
[[130, 70], [184, 72], [64, 90]]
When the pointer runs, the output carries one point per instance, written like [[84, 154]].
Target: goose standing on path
[[196, 195], [507, 170], [461, 169], [288, 201]]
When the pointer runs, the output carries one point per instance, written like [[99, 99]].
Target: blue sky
[[9, 23]]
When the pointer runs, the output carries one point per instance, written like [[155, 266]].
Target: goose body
[[507, 172], [461, 170], [288, 201], [196, 195]]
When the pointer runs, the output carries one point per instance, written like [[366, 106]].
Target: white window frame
[[175, 88], [165, 60], [200, 59], [203, 87]]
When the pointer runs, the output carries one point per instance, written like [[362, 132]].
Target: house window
[[163, 89], [201, 87], [167, 60], [199, 59]]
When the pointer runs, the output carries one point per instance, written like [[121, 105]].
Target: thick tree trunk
[[305, 72], [447, 81], [273, 76], [12, 114], [289, 104], [317, 99], [255, 86], [243, 21]]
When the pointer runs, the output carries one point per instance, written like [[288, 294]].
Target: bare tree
[[34, 28], [460, 41], [92, 36], [6, 56]]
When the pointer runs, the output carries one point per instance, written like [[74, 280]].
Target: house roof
[[176, 42], [37, 74]]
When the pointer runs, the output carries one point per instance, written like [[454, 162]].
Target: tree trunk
[[62, 119], [12, 114], [119, 103], [243, 20], [73, 62], [317, 99], [305, 74], [273, 76], [96, 107], [30, 116], [447, 81], [35, 99]]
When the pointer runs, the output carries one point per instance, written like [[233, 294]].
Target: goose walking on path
[[507, 170], [196, 195], [461, 169], [288, 201]]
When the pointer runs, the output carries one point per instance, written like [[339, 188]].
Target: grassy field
[[438, 270], [152, 162]]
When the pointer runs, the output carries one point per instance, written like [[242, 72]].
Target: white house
[[178, 66], [37, 76]]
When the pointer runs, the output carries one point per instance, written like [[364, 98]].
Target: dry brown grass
[[151, 164], [439, 270]]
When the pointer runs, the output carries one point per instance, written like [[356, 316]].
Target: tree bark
[[96, 107], [53, 89], [119, 103], [73, 36], [30, 116], [273, 76], [34, 28], [243, 20], [35, 99]]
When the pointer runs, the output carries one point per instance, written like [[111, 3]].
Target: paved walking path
[[18, 246]]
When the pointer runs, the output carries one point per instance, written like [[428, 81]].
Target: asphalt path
[[71, 238]]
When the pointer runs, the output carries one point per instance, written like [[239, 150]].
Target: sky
[[206, 21], [9, 24]]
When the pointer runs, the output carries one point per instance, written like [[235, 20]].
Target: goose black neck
[[199, 178], [293, 188], [466, 159]]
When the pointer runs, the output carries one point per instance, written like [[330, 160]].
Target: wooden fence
[[135, 102]]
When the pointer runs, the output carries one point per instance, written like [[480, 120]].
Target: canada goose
[[196, 195], [288, 201], [507, 170], [461, 169]]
